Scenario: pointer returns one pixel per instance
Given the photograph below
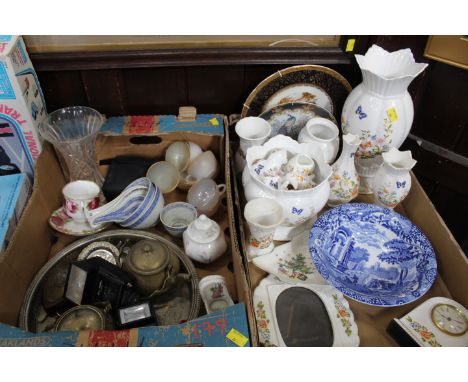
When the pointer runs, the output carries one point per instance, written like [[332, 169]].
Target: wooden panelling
[[155, 90], [62, 89], [104, 91], [442, 111], [221, 92]]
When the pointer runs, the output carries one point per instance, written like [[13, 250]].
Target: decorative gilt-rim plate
[[330, 81], [372, 254]]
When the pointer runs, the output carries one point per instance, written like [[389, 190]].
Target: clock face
[[449, 319]]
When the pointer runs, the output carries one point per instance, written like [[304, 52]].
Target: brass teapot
[[154, 266]]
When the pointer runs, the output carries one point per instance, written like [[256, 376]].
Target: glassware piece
[[73, 131]]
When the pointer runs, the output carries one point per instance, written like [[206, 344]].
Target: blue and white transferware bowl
[[372, 254]]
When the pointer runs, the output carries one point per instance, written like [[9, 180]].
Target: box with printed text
[[22, 107]]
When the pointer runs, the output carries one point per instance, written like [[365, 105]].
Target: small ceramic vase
[[263, 216], [392, 182], [324, 134], [299, 173], [252, 131], [204, 241], [344, 182], [214, 293]]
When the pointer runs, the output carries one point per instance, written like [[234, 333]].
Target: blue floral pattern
[[372, 254]]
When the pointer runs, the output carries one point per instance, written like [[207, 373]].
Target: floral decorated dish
[[372, 254], [303, 315], [291, 262]]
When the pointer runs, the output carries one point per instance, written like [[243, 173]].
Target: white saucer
[[61, 222]]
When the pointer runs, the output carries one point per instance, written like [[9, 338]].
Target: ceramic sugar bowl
[[204, 241]]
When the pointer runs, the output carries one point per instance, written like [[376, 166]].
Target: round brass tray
[[181, 303]]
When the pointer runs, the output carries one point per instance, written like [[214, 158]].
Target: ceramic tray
[[313, 84], [372, 254]]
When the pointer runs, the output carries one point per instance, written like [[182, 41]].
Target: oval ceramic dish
[[313, 84], [289, 118], [372, 254]]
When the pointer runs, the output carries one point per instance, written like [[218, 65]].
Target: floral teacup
[[81, 196]]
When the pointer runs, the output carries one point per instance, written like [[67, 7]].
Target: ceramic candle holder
[[214, 293], [263, 216], [81, 196]]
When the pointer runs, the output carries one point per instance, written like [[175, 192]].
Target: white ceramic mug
[[263, 216], [80, 196]]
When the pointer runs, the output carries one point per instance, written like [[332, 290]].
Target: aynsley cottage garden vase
[[380, 109], [344, 182]]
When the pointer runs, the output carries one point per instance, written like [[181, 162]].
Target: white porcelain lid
[[203, 229]]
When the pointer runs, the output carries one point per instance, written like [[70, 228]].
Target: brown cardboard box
[[372, 322], [32, 246]]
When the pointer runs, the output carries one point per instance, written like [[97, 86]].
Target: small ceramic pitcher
[[324, 134], [344, 182], [263, 216], [204, 241], [392, 181]]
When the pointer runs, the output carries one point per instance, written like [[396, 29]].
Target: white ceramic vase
[[299, 206], [323, 133], [380, 109], [344, 182], [263, 216], [392, 182], [252, 131]]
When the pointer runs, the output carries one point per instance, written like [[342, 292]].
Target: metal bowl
[[181, 303]]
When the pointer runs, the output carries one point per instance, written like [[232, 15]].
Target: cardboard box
[[22, 106], [15, 190], [31, 245], [372, 322]]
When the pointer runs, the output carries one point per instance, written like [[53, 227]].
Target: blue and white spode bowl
[[372, 254]]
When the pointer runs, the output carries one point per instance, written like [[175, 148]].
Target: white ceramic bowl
[[203, 166], [176, 217], [164, 175], [178, 153]]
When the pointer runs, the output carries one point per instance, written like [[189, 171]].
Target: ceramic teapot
[[204, 241], [299, 206], [153, 265]]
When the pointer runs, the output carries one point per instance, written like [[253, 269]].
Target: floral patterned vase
[[392, 182], [344, 182], [380, 109]]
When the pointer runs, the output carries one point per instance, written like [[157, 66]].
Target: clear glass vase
[[73, 131]]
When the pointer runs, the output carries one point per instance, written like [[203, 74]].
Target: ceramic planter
[[299, 206]]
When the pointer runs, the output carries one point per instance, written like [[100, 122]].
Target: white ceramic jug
[[392, 182]]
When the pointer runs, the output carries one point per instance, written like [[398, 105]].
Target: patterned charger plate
[[372, 254], [314, 84]]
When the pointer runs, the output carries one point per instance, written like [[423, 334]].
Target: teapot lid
[[148, 257], [203, 229]]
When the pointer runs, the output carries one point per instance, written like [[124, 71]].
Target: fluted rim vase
[[73, 131], [380, 109]]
